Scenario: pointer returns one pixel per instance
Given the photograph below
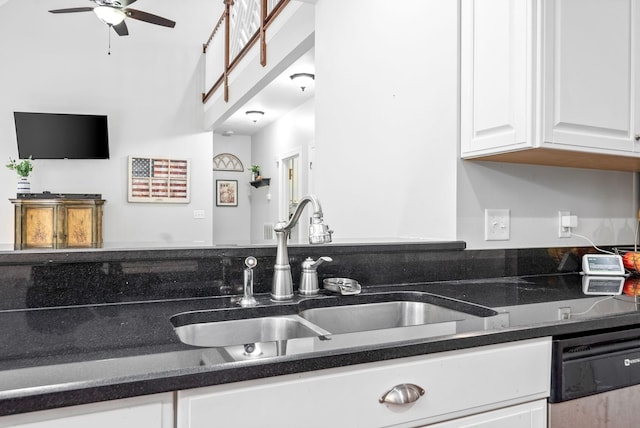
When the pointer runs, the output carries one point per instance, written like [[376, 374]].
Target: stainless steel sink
[[378, 316], [246, 331], [328, 323]]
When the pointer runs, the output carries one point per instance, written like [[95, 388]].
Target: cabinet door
[[38, 226], [79, 226], [590, 63], [529, 415], [153, 411], [496, 75]]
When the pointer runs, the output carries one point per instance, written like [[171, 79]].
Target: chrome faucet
[[319, 233]]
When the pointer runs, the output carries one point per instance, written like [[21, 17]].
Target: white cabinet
[[590, 54], [153, 411], [456, 384], [528, 415], [496, 76], [551, 82]]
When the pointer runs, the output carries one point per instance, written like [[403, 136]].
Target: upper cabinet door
[[496, 74], [589, 66]]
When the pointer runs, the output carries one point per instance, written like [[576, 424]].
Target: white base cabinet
[[496, 386], [551, 82], [152, 411], [457, 384], [528, 415]]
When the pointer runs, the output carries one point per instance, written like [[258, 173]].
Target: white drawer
[[457, 383]]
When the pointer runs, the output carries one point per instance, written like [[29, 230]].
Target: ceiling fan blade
[[147, 17], [72, 9], [126, 3], [121, 29]]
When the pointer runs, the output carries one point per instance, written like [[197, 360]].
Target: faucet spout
[[319, 233]]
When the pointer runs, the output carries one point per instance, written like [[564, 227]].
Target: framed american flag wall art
[[158, 180]]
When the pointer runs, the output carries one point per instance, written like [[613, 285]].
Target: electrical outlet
[[497, 225], [198, 213], [564, 313], [563, 232]]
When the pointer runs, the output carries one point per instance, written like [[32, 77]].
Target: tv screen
[[61, 136]]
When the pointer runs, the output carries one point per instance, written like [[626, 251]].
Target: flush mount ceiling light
[[254, 115], [109, 15], [304, 80]]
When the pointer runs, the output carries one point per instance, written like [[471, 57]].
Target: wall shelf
[[260, 183]]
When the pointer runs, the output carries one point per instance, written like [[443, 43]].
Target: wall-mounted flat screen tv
[[61, 136]]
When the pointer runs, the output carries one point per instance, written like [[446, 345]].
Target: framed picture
[[158, 180], [226, 193]]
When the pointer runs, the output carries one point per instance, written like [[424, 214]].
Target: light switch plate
[[497, 224]]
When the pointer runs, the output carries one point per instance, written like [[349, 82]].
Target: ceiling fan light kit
[[109, 15], [114, 12]]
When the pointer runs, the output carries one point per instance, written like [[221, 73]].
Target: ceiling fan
[[114, 12]]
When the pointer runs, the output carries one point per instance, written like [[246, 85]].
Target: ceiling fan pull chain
[[109, 31]]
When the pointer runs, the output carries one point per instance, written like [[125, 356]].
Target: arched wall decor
[[227, 162]]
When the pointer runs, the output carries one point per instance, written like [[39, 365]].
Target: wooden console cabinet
[[58, 223]]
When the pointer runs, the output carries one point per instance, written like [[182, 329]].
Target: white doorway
[[290, 190]]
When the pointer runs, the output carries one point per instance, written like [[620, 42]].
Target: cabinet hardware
[[404, 393]]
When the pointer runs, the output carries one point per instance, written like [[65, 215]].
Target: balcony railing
[[242, 24]]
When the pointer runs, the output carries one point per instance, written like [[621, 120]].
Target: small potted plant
[[23, 169], [255, 172]]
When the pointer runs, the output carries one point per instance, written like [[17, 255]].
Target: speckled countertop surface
[[64, 355]]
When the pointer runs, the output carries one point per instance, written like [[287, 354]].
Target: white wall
[[150, 87], [604, 201], [231, 225], [387, 159], [293, 133], [386, 118]]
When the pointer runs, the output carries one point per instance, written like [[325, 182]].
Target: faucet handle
[[310, 264], [309, 277]]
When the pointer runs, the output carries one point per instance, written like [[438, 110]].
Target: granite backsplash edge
[[34, 280]]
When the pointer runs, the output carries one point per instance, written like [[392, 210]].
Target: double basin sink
[[328, 322]]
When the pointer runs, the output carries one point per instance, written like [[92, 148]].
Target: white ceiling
[[277, 99]]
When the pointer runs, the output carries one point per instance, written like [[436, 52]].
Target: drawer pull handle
[[404, 393]]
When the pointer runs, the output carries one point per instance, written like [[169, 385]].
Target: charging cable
[[574, 314], [592, 244], [569, 222]]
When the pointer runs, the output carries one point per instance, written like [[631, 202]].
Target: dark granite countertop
[[64, 355]]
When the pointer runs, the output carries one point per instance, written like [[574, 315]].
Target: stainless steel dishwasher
[[595, 381]]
